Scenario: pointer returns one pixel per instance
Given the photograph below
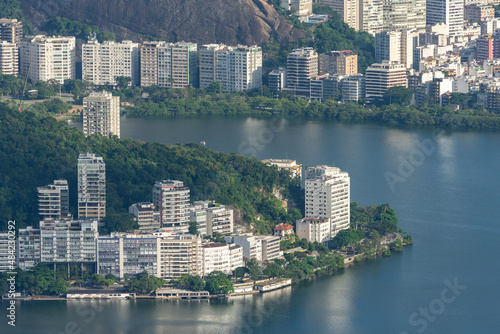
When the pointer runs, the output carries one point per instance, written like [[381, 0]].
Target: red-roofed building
[[283, 230]]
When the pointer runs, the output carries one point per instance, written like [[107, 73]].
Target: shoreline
[[348, 262]]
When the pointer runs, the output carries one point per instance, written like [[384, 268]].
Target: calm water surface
[[444, 187]]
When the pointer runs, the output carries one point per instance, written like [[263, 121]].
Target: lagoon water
[[444, 186]]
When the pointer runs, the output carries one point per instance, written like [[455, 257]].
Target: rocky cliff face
[[203, 21]]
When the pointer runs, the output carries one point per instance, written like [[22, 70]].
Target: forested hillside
[[35, 149]]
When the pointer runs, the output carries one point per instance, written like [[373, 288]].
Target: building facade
[[103, 63], [219, 220], [236, 68], [9, 58], [28, 247], [314, 229], [146, 216], [381, 76], [349, 11], [101, 114], [339, 62], [91, 187], [450, 12], [291, 166], [11, 30], [122, 253], [171, 198], [302, 65], [45, 58], [68, 241], [180, 255], [328, 196], [53, 200]]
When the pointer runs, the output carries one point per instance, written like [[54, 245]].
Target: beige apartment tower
[[339, 62]]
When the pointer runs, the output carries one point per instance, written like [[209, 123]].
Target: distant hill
[[203, 21]]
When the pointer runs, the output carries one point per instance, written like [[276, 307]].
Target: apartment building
[[328, 196], [252, 246], [349, 11], [353, 88], [53, 200], [302, 65], [388, 46], [91, 187], [11, 30], [146, 216], [171, 198], [149, 63], [276, 81], [9, 58], [338, 62], [270, 248], [122, 253], [198, 214], [314, 229], [68, 240], [236, 68], [381, 76], [7, 255], [180, 254], [101, 114], [289, 165], [216, 257], [45, 58], [450, 12], [219, 220], [103, 62], [28, 247]]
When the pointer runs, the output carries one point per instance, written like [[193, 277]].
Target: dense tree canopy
[[217, 283], [35, 150]]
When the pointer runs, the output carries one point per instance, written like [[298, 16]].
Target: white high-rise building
[[102, 63], [450, 12], [171, 198], [68, 240], [302, 65], [371, 16], [216, 257], [388, 46], [236, 68], [381, 76], [328, 196], [9, 58], [404, 14], [91, 187], [53, 200], [48, 58], [101, 114], [396, 46]]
